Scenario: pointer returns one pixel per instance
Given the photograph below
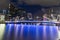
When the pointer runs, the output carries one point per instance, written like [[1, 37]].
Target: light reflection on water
[[2, 28], [30, 32]]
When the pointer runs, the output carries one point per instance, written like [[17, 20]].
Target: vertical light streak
[[57, 33], [16, 31], [8, 35], [37, 38], [51, 32], [28, 31], [44, 32], [2, 28], [21, 33]]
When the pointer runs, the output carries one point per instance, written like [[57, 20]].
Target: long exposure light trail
[[31, 32], [2, 28]]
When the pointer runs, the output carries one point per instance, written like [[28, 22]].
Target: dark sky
[[4, 4]]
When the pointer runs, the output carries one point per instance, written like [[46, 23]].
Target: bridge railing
[[34, 22]]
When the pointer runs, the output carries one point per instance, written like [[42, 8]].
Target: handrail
[[31, 22]]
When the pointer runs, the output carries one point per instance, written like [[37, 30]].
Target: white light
[[2, 28]]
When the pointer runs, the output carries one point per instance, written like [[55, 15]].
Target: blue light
[[8, 31], [30, 32]]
